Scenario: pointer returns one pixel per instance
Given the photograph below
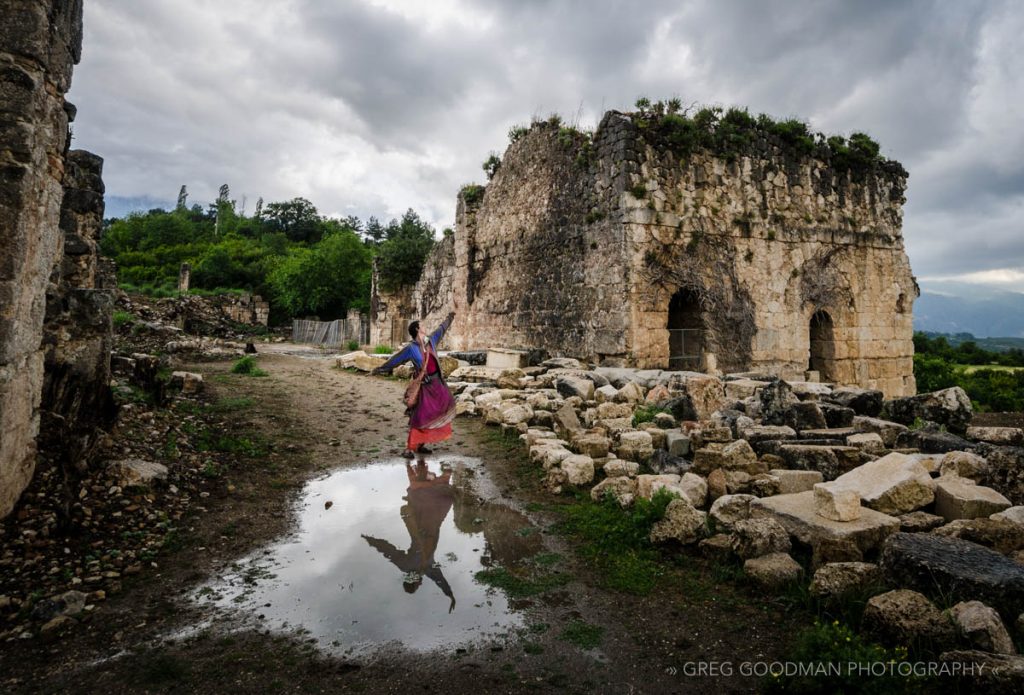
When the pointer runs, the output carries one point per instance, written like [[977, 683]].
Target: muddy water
[[385, 554]]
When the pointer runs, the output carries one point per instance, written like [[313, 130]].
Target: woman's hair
[[414, 329]]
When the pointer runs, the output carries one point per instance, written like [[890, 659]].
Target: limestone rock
[[591, 444], [839, 579], [861, 401], [727, 510], [677, 443], [805, 415], [776, 397], [622, 489], [682, 523], [756, 537], [903, 617], [954, 569], [716, 547], [981, 627], [956, 499], [579, 470], [1014, 515], [773, 571], [797, 514], [810, 457], [999, 534], [893, 484], [618, 467], [130, 472], [917, 522], [963, 464], [568, 386], [868, 441], [635, 446], [189, 382], [367, 363], [1011, 436], [888, 431], [630, 393], [950, 407], [796, 481], [836, 503], [647, 485]]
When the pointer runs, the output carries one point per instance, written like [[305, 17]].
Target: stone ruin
[[618, 252], [55, 301]]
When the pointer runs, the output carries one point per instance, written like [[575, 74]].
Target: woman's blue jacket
[[412, 350]]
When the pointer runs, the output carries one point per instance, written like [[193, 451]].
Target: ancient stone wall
[[777, 261], [40, 41]]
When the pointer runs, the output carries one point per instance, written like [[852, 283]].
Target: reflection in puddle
[[392, 558]]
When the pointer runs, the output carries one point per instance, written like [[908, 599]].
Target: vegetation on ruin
[[730, 133], [472, 193], [304, 263], [491, 165], [993, 380]]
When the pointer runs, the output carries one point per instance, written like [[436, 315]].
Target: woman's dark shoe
[[408, 454], [423, 450]]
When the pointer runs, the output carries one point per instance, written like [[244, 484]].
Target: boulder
[[618, 467], [665, 421], [831, 550], [129, 472], [893, 484], [931, 440], [797, 513], [657, 395], [981, 672], [717, 486], [773, 571], [681, 408], [591, 444], [682, 523], [647, 485], [764, 433], [950, 407], [836, 502], [809, 457], [805, 415], [888, 431], [189, 382], [727, 510], [756, 537], [732, 456], [957, 498], [579, 470], [867, 441], [694, 489], [999, 534], [776, 397], [839, 579], [367, 363], [568, 386], [635, 446], [837, 415], [796, 481], [515, 413], [918, 522], [566, 421], [963, 464], [952, 569], [663, 462], [1014, 515], [902, 617], [706, 392], [981, 627], [861, 401], [717, 547], [632, 392], [1009, 436], [608, 411], [511, 379], [677, 443], [622, 489], [605, 394]]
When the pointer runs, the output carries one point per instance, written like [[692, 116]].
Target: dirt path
[[573, 636]]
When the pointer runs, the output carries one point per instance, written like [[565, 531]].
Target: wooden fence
[[332, 334]]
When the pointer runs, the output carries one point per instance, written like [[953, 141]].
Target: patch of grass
[[247, 365], [352, 345], [472, 193], [230, 405], [253, 447], [617, 542], [382, 350], [518, 586], [646, 413], [123, 318], [638, 191], [834, 642], [582, 634], [165, 668]]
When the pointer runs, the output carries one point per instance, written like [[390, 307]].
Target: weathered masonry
[[623, 252]]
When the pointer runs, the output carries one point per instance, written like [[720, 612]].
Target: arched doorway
[[823, 345], [685, 331]]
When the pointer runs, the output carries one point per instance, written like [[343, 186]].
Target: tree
[[402, 254], [297, 218], [328, 279]]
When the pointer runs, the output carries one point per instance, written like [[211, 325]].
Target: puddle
[[392, 559]]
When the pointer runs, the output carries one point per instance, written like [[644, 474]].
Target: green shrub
[[517, 133], [247, 366], [382, 350], [646, 413], [491, 165], [638, 191], [352, 345], [472, 193]]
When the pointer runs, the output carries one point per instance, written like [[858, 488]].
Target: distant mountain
[[1000, 314], [119, 206]]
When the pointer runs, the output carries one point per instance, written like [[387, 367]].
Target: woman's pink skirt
[[431, 419]]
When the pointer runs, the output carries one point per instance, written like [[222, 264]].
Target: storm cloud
[[368, 108]]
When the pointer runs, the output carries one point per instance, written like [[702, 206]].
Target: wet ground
[[384, 555], [408, 580]]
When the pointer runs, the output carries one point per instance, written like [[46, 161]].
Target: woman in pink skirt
[[430, 420]]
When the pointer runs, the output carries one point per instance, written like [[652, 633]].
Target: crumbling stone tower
[[621, 250], [54, 314]]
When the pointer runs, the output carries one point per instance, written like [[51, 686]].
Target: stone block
[[957, 499], [893, 484], [791, 481], [797, 513], [836, 503]]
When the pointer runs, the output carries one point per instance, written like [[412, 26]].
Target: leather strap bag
[[412, 391]]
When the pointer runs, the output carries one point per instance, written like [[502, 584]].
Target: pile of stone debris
[[902, 499]]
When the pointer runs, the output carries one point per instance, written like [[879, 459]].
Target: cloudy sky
[[377, 106]]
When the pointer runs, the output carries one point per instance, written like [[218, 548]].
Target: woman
[[430, 420]]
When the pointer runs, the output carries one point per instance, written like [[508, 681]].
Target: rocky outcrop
[[40, 41]]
